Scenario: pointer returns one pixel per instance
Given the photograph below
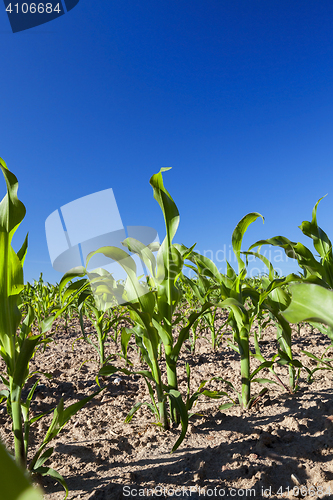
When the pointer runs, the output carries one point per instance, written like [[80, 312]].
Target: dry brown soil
[[283, 446]]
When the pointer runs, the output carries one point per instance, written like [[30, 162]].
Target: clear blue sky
[[235, 95]]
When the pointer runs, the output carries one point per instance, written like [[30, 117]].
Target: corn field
[[142, 341]]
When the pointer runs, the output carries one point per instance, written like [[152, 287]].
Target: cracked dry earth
[[282, 448]]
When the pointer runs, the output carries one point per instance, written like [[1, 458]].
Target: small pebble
[[295, 479]]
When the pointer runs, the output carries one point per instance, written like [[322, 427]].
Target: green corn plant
[[273, 299], [44, 299], [203, 291], [323, 363], [235, 295], [245, 300], [17, 342], [106, 291], [14, 483], [314, 304], [209, 319], [153, 311], [16, 356], [194, 335], [314, 271], [188, 304], [67, 294], [41, 296], [189, 301], [104, 320], [191, 400]]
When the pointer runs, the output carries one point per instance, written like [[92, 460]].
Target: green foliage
[[18, 344], [153, 310], [14, 484], [312, 297], [323, 363], [162, 313], [104, 321]]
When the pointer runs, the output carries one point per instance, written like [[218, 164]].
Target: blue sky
[[235, 95]]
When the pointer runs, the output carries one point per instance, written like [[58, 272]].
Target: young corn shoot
[[17, 349], [154, 310]]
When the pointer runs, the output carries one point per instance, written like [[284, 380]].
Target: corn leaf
[[14, 484], [239, 231], [310, 303]]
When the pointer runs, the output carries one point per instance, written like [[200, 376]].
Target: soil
[[281, 448]]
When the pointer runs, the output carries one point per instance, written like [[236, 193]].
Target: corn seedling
[[273, 299], [245, 300], [14, 483], [235, 294], [323, 363], [203, 291], [313, 271], [17, 349], [41, 297], [103, 321], [154, 311], [318, 275]]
